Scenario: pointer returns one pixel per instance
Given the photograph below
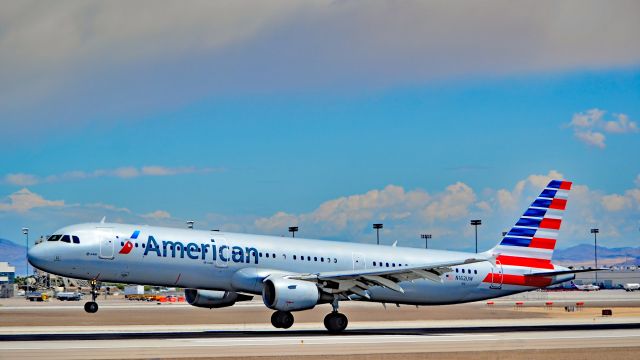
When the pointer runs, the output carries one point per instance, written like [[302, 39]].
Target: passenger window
[[374, 263], [76, 240], [66, 239], [475, 271], [54, 237], [315, 258], [456, 269], [322, 259], [308, 258], [294, 257], [387, 264]]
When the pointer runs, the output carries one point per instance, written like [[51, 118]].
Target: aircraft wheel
[[336, 322], [91, 307], [286, 320]]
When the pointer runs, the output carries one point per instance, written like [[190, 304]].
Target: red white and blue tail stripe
[[531, 241]]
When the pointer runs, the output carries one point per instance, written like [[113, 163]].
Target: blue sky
[[314, 118]]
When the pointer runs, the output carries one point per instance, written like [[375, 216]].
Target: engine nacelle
[[289, 295], [213, 298]]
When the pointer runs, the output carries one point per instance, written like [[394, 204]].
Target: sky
[[328, 115]]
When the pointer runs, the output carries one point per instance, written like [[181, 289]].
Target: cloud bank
[[67, 59], [127, 172]]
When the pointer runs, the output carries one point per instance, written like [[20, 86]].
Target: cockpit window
[[66, 238], [76, 240], [54, 237]]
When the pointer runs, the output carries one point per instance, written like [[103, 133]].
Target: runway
[[523, 341], [122, 329]]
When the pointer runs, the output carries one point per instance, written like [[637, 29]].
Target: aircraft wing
[[357, 281]]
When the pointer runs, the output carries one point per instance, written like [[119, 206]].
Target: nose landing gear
[[92, 306]]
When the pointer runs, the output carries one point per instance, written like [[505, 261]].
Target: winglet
[[103, 220], [395, 243]]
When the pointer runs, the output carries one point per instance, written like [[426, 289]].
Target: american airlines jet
[[219, 269]]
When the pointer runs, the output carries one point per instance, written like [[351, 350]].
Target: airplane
[[218, 269], [586, 287]]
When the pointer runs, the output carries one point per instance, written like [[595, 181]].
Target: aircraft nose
[[37, 256]]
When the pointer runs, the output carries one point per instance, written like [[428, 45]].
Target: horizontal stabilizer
[[562, 272]]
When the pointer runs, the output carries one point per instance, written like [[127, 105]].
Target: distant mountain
[[15, 255], [583, 255]]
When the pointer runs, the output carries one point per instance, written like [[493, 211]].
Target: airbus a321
[[219, 269]]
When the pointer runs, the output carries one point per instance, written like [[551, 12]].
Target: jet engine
[[213, 298], [289, 295]]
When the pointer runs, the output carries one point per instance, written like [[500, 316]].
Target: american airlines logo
[[128, 246], [210, 251]]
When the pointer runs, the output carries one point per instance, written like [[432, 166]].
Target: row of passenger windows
[[64, 238], [386, 264], [468, 271]]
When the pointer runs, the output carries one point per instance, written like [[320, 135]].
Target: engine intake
[[289, 295], [213, 298]]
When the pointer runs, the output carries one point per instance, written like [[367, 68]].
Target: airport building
[[7, 273], [613, 278]]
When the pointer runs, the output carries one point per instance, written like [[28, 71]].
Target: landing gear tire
[[91, 307], [282, 319], [335, 322]]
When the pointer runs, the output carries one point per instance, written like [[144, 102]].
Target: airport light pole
[[476, 223], [292, 230], [25, 231], [595, 232], [190, 224], [377, 227], [426, 238]]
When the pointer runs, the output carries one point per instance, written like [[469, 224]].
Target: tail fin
[[531, 241]]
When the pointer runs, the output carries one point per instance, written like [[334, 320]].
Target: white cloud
[[453, 204], [587, 119], [127, 172], [511, 199], [615, 202], [621, 126], [21, 179], [24, 200], [589, 126], [158, 214], [592, 138]]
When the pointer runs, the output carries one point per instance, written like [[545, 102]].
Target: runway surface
[[122, 329], [444, 341]]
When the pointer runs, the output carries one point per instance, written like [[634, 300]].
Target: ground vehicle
[[631, 286], [37, 296], [69, 296]]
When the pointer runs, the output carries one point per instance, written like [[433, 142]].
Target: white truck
[[631, 286], [133, 290], [69, 296]]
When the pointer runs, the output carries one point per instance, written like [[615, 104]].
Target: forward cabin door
[[358, 261], [107, 243]]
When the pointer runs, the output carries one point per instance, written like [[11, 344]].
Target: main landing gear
[[335, 322], [282, 319], [92, 306]]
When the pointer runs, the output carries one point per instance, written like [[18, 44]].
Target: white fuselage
[[238, 262]]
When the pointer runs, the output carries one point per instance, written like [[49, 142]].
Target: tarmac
[[531, 330]]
